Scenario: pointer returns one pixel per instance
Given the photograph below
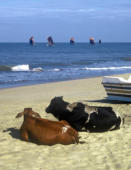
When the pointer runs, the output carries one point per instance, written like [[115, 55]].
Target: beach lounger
[[117, 88]]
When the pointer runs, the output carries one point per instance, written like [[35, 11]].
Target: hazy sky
[[107, 20]]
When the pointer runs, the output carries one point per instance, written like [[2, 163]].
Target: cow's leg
[[65, 139], [24, 135]]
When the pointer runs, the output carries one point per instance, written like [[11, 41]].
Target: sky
[[109, 20]]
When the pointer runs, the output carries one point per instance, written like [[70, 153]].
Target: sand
[[109, 150]]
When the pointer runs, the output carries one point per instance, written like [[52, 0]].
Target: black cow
[[83, 117]]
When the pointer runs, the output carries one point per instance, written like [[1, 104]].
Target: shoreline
[[108, 150], [35, 84], [59, 81]]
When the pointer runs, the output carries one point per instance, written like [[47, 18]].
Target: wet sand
[[109, 150]]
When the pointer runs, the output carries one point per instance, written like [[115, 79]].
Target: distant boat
[[72, 40], [99, 41], [31, 40], [92, 40], [50, 41]]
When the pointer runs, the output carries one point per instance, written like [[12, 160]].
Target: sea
[[22, 64]]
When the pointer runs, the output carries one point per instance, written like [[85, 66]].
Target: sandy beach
[[109, 150]]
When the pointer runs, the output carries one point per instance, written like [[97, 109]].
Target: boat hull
[[120, 91]]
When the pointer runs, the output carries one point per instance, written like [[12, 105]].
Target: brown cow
[[47, 132]]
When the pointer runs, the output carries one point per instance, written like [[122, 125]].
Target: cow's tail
[[125, 118], [120, 120], [119, 117]]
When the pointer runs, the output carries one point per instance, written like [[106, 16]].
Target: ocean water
[[22, 64]]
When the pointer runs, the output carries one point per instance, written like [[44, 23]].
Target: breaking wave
[[24, 67], [21, 68], [107, 68]]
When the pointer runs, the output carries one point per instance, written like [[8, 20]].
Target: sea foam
[[107, 68], [21, 68]]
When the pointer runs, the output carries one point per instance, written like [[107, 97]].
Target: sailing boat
[[72, 40], [91, 40], [31, 40], [50, 41]]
